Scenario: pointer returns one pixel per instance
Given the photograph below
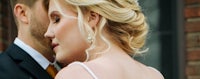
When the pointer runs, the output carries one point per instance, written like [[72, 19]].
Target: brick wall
[[8, 29], [192, 32]]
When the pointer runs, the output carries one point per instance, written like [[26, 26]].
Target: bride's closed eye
[[55, 18]]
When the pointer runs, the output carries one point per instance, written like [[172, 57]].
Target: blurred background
[[173, 40]]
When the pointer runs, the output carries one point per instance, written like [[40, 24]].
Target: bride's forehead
[[62, 4]]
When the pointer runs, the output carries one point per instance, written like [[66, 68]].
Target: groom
[[30, 54]]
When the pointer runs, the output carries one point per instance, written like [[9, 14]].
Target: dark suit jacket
[[15, 63]]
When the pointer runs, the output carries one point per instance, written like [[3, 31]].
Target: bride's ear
[[93, 19]]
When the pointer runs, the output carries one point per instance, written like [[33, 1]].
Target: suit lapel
[[33, 68], [27, 62]]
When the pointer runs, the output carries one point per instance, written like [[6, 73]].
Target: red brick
[[193, 40], [192, 1], [192, 70], [192, 12], [192, 26], [193, 77], [193, 55]]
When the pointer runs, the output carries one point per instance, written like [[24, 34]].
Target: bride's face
[[67, 41]]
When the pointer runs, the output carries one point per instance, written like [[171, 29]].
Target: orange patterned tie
[[52, 70]]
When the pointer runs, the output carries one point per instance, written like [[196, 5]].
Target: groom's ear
[[21, 12]]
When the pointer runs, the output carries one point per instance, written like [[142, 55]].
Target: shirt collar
[[39, 58]]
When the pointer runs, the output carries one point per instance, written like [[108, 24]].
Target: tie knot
[[52, 70]]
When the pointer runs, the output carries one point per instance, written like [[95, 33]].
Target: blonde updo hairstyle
[[123, 20]]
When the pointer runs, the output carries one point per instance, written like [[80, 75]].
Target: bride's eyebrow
[[51, 13]]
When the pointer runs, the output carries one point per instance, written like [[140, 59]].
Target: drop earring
[[89, 38]]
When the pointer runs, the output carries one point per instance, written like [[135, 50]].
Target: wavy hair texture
[[123, 20]]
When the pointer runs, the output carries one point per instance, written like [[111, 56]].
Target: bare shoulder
[[105, 68], [74, 71], [103, 64], [77, 71], [155, 73]]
